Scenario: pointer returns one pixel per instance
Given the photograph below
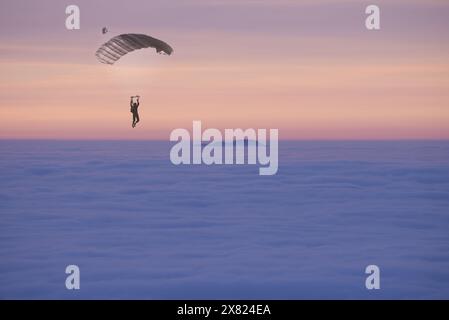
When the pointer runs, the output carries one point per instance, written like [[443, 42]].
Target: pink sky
[[308, 68]]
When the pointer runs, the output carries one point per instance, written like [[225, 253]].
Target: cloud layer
[[139, 227]]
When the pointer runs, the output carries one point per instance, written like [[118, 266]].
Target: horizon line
[[286, 140]]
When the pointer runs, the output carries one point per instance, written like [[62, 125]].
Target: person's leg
[[137, 117], [134, 119]]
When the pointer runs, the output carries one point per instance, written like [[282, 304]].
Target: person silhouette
[[134, 106]]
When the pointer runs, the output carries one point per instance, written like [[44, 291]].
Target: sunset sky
[[309, 68]]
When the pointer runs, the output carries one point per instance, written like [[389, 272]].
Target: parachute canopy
[[120, 45]]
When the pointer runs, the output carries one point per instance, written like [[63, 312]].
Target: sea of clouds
[[140, 227]]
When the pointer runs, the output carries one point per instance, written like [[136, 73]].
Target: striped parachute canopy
[[120, 45]]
